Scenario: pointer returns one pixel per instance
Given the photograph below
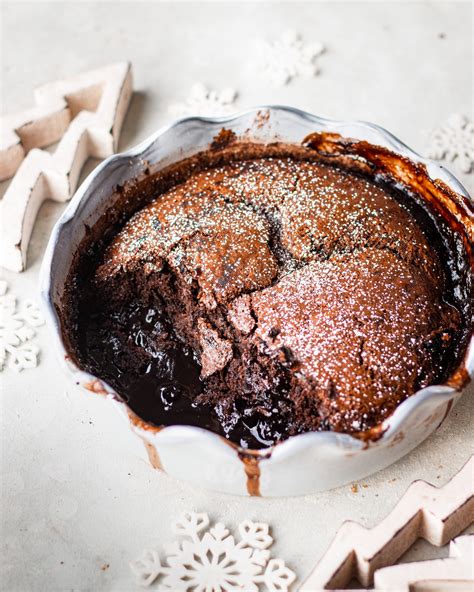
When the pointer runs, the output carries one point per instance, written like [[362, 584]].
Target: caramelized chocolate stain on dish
[[261, 292], [252, 472], [153, 456]]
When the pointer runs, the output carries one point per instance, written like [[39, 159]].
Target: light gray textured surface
[[77, 493]]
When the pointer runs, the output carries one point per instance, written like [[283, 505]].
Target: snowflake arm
[[147, 568]]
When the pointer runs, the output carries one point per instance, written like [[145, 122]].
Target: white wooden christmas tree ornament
[[424, 511], [457, 569], [85, 113]]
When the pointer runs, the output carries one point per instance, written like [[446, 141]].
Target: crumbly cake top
[[308, 296], [315, 209]]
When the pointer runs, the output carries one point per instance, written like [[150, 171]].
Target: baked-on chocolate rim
[[394, 159]]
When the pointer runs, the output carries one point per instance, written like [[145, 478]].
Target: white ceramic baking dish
[[302, 464]]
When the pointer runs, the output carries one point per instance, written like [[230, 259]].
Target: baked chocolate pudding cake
[[262, 292]]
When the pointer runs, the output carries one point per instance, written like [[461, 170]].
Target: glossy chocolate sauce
[[135, 351]]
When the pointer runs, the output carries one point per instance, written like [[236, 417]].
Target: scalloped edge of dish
[[387, 429]]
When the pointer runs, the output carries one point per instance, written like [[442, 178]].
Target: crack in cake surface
[[273, 297]]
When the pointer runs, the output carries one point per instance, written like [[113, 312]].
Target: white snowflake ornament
[[285, 58], [454, 142], [205, 102], [17, 330], [215, 561]]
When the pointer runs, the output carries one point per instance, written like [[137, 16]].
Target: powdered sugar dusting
[[340, 283], [355, 324]]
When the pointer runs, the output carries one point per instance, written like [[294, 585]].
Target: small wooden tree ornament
[[424, 511], [446, 574], [85, 113]]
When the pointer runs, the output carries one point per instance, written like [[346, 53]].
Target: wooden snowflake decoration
[[210, 559], [454, 142], [205, 102], [17, 330], [289, 56]]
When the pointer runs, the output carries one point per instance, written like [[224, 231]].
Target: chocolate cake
[[264, 294]]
